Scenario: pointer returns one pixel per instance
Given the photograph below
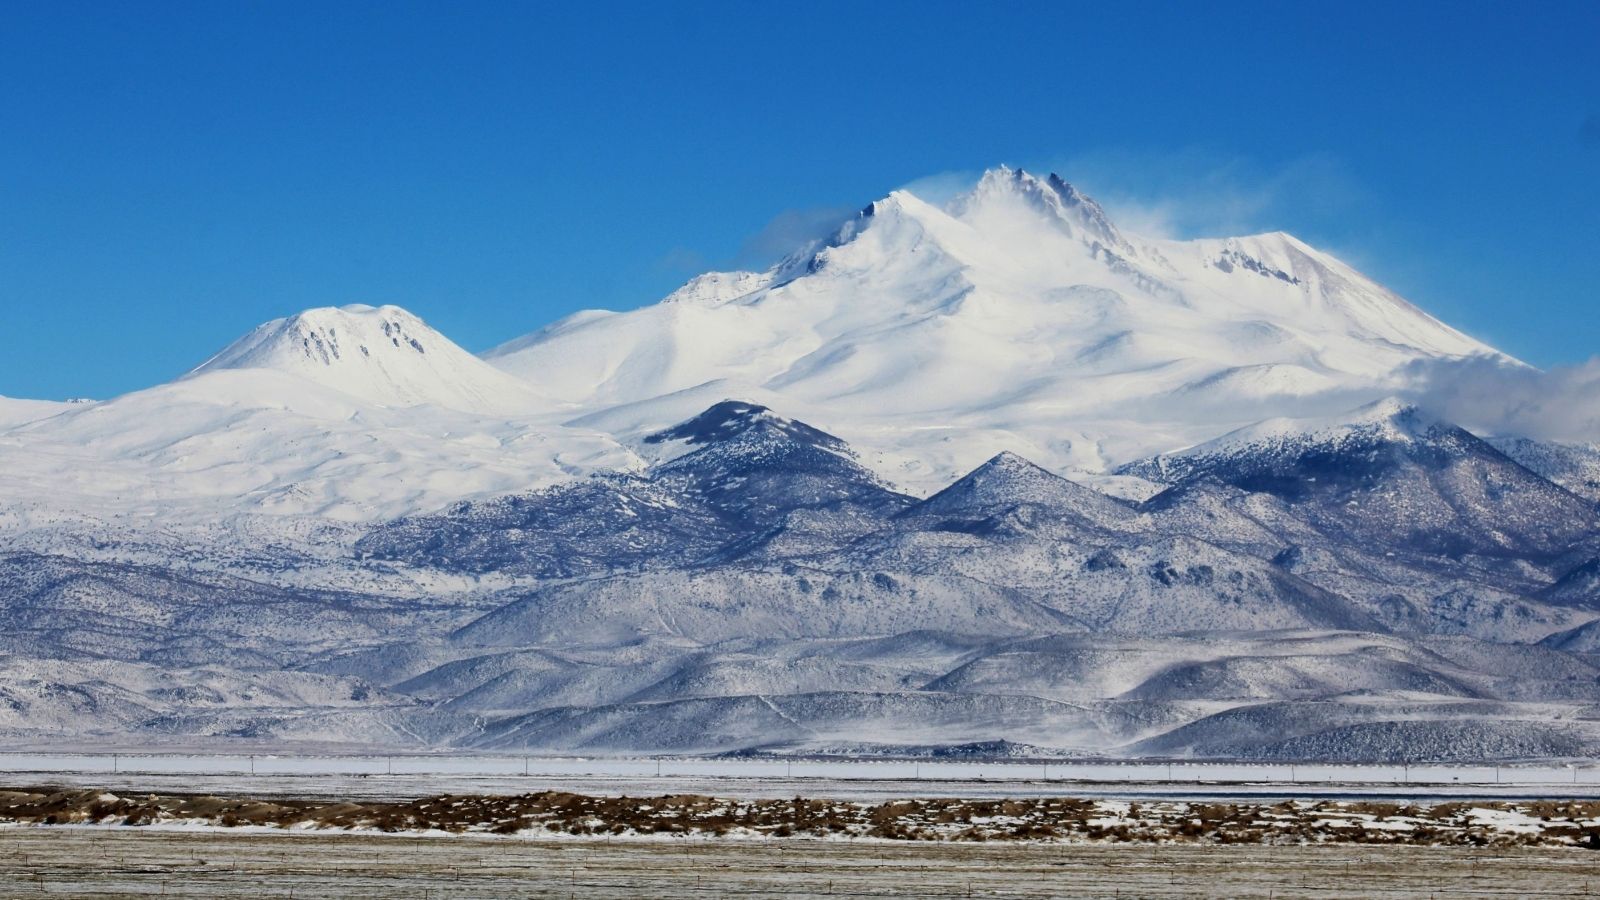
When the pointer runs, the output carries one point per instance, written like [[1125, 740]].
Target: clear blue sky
[[172, 174]]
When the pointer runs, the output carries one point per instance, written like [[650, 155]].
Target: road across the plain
[[408, 776]]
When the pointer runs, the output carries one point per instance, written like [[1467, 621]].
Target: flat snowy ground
[[98, 862], [396, 777]]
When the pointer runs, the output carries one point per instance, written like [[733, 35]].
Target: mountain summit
[[381, 355], [1017, 316]]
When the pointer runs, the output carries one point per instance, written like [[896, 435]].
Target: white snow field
[[1016, 317]]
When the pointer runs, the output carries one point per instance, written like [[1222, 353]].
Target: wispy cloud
[[681, 260], [1196, 193], [1490, 397], [787, 232], [942, 187]]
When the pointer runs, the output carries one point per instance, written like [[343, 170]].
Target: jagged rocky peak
[[733, 419], [1003, 189]]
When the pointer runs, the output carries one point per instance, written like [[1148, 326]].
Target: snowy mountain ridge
[[929, 337], [1016, 317]]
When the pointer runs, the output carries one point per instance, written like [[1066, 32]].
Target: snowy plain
[[409, 775]]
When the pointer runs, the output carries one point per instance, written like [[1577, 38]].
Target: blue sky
[[172, 174]]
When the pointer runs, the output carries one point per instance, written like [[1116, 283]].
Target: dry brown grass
[[969, 821]]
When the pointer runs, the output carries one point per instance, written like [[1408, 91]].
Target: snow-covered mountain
[[355, 413], [1390, 472], [984, 471], [1016, 317], [381, 356]]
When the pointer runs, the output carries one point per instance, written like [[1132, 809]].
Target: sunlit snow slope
[[383, 356], [1016, 317], [356, 413]]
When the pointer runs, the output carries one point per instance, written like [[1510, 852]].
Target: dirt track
[[99, 862]]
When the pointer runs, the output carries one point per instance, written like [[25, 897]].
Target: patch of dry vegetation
[[1035, 819]]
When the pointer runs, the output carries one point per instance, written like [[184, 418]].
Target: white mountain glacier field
[[985, 478]]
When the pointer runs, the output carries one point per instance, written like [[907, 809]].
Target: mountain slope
[[748, 476], [1017, 317], [1394, 478], [383, 356], [19, 412], [1575, 467], [356, 413]]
